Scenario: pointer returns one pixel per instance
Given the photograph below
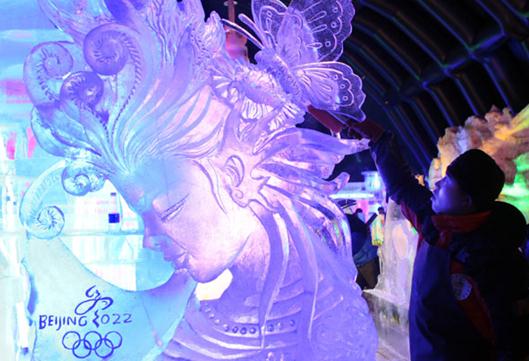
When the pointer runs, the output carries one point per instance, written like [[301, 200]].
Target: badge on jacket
[[461, 286]]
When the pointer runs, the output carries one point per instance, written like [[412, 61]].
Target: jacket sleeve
[[498, 306], [401, 185], [497, 279]]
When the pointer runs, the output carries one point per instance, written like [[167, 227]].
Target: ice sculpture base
[[391, 321]]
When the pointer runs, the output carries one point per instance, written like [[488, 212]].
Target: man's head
[[472, 182]]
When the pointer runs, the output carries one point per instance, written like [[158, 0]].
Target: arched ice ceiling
[[429, 64]]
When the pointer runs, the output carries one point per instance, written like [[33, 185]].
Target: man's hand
[[368, 129]]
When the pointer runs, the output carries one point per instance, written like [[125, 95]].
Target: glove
[[367, 129]]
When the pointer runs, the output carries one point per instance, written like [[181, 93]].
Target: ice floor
[[386, 353]]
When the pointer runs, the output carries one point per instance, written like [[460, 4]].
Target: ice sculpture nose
[[161, 243], [153, 235], [154, 242]]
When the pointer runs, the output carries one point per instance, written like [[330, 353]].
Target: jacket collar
[[460, 223]]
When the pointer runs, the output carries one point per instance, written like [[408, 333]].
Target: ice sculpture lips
[[180, 261], [174, 253], [157, 243]]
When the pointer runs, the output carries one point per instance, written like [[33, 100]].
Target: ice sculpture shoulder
[[206, 149]]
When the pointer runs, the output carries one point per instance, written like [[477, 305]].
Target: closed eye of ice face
[[171, 212]]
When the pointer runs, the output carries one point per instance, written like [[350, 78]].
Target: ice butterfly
[[299, 46]]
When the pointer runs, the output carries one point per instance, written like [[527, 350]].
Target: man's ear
[[468, 203]]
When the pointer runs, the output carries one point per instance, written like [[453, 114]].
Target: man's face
[[448, 198]]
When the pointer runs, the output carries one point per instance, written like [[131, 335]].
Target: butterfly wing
[[306, 31], [295, 43], [329, 22], [267, 18], [332, 86], [308, 36]]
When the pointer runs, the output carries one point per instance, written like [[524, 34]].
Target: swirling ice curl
[[114, 79]]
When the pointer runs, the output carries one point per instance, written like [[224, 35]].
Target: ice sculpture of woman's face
[[185, 219]]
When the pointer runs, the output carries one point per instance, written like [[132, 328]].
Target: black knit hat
[[479, 176]]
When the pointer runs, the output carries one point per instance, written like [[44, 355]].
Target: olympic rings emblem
[[82, 347]]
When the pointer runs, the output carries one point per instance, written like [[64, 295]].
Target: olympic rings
[[82, 347]]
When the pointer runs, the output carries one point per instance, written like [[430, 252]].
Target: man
[[377, 232], [381, 212], [468, 272], [365, 254]]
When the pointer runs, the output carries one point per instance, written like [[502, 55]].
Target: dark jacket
[[363, 249], [468, 271]]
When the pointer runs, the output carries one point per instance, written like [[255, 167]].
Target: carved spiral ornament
[[48, 223], [44, 68], [80, 178], [55, 60], [83, 88], [108, 47]]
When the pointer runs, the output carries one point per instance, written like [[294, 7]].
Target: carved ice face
[[185, 220]]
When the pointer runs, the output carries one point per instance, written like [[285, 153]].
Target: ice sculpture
[[206, 149], [390, 299]]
